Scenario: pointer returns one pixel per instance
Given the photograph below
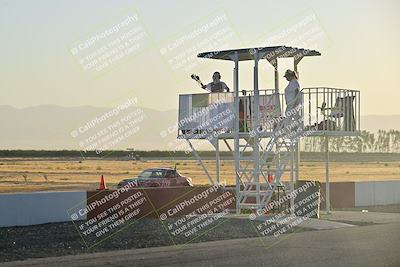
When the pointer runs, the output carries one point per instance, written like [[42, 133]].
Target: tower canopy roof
[[269, 53]]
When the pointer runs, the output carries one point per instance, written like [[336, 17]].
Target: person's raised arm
[[206, 87]]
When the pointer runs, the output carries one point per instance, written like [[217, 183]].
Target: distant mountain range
[[50, 127], [53, 127]]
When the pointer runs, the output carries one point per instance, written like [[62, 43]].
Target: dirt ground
[[34, 174]]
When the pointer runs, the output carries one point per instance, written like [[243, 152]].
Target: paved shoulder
[[375, 245]]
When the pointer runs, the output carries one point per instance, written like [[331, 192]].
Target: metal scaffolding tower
[[263, 149]]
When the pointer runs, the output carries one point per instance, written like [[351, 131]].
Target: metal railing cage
[[325, 111]]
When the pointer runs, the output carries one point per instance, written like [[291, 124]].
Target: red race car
[[160, 177]]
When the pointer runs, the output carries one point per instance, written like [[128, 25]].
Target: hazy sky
[[359, 42]]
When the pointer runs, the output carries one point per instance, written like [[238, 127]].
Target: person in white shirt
[[293, 100], [216, 86], [292, 90]]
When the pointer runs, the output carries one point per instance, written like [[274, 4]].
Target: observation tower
[[256, 126]]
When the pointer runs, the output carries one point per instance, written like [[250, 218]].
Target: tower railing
[[331, 111], [325, 111], [207, 112]]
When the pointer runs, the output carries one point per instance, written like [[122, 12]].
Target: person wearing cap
[[292, 90], [216, 86]]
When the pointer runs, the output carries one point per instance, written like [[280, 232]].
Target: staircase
[[256, 189]]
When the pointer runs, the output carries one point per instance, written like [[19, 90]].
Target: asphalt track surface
[[374, 245]]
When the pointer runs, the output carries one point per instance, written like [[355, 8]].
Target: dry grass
[[76, 175]]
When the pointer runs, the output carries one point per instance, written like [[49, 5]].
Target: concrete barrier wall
[[358, 194], [342, 195], [21, 209], [174, 201], [377, 193], [39, 207]]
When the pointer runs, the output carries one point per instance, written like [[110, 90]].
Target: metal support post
[[256, 129], [296, 62], [276, 72], [292, 158], [217, 161], [297, 160], [200, 161], [327, 188], [236, 128]]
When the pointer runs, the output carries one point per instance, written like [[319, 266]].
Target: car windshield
[[152, 174]]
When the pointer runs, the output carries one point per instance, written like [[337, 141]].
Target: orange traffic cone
[[102, 185], [270, 178]]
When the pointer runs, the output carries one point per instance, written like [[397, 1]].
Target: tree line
[[384, 141]]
